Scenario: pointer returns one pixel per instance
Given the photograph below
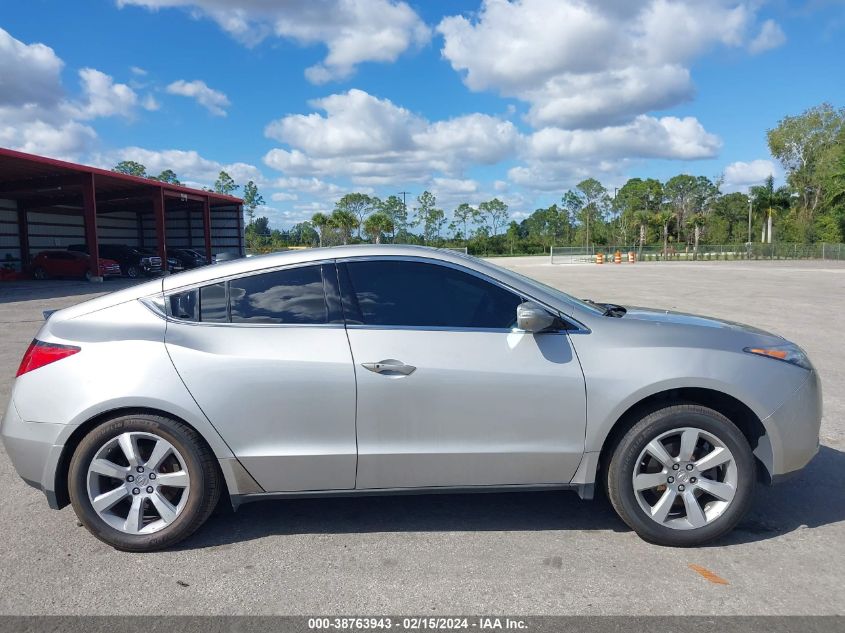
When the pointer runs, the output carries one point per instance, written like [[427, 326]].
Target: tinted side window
[[285, 296], [184, 306], [213, 304], [403, 293]]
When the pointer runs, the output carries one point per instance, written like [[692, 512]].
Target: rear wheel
[[39, 273], [143, 482], [682, 476], [133, 272]]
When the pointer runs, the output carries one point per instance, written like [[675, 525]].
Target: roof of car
[[272, 260]]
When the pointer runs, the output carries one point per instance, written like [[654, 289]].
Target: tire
[[190, 466], [133, 272], [733, 480], [87, 275], [40, 274]]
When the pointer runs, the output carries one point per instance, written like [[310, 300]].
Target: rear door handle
[[390, 366]]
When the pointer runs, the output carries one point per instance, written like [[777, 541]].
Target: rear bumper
[[792, 431], [33, 450]]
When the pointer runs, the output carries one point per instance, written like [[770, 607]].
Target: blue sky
[[472, 99]]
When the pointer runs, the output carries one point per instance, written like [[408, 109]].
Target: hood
[[680, 318]]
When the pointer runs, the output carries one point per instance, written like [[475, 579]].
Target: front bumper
[[33, 449], [792, 431]]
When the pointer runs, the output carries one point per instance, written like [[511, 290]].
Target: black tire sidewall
[[185, 523], [133, 272], [620, 471]]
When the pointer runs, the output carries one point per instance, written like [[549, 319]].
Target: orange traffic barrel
[[632, 257], [599, 258], [617, 257]]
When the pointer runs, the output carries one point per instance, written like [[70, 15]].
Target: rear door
[[449, 393], [266, 358]]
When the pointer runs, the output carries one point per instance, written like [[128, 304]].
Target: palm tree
[[664, 217], [770, 201], [345, 221], [320, 220], [642, 218], [377, 224], [697, 221]]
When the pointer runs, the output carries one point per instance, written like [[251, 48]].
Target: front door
[[449, 393]]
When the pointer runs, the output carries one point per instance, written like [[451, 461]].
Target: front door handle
[[390, 366]]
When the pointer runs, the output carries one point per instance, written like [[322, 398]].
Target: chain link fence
[[705, 252]]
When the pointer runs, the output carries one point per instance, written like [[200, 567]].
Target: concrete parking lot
[[531, 553]]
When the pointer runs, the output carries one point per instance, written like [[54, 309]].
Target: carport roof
[[42, 181]]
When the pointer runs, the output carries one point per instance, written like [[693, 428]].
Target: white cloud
[[282, 196], [137, 70], [29, 73], [189, 165], [311, 186], [740, 175], [212, 100], [103, 97], [645, 137], [353, 32], [375, 142], [150, 103], [770, 36], [37, 116], [581, 64], [556, 158], [64, 139]]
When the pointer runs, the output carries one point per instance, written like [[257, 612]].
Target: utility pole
[[404, 208], [750, 203]]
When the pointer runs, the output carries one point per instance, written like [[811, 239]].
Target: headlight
[[788, 353]]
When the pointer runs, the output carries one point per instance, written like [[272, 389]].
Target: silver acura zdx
[[385, 369]]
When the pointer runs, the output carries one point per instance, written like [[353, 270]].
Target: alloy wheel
[[685, 478], [138, 483]]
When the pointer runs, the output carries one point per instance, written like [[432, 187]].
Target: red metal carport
[[50, 188]]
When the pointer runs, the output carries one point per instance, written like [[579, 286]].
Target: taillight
[[40, 353]]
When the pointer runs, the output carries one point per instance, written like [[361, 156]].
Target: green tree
[[429, 216], [588, 203], [804, 144], [252, 199], [257, 233], [769, 202], [224, 184], [358, 204], [304, 233], [168, 176], [320, 222], [377, 225], [512, 235], [344, 221], [680, 192], [733, 209], [394, 208], [494, 213], [464, 215], [663, 218], [705, 195], [130, 168]]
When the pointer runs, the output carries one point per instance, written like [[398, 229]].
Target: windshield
[[529, 281]]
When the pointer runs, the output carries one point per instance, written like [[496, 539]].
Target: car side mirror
[[532, 317]]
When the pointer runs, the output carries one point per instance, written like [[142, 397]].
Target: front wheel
[[143, 482], [133, 272], [682, 476]]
